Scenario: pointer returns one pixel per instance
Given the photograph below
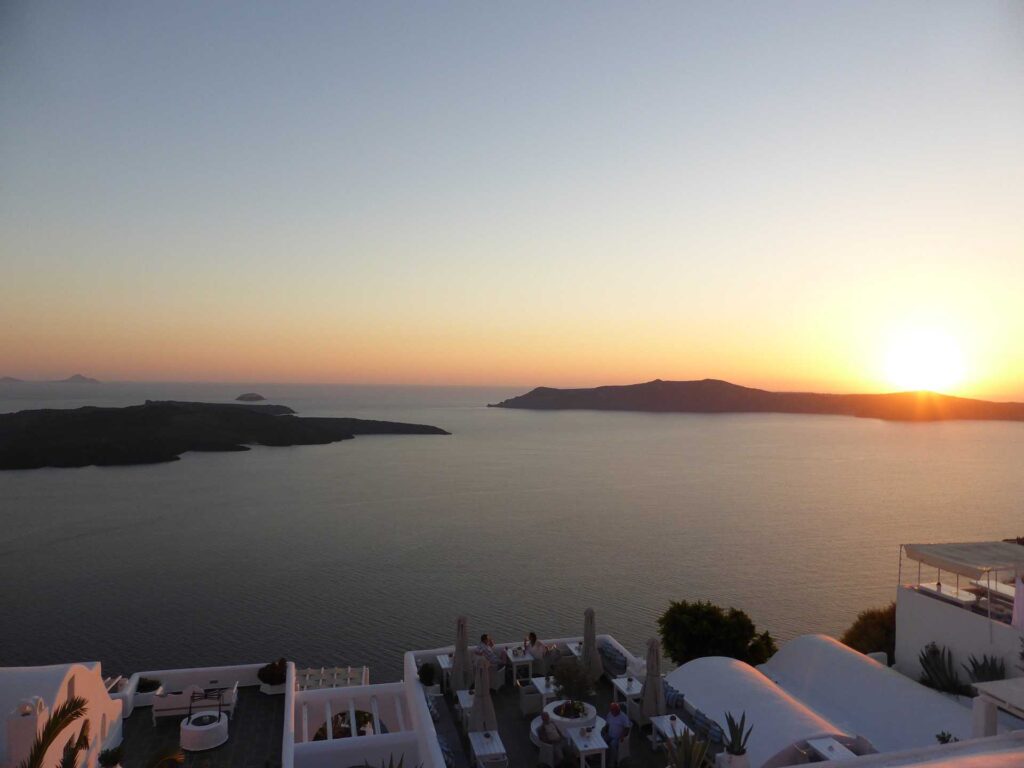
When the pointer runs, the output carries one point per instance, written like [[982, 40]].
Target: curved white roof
[[20, 683], [717, 685], [864, 697]]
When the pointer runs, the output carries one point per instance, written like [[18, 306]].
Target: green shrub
[[692, 630], [873, 630], [571, 680], [427, 674], [274, 673]]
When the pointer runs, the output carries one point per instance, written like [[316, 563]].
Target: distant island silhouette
[[250, 397], [75, 379], [716, 396], [161, 431]]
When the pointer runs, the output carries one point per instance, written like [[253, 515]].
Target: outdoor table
[[668, 727], [444, 661], [545, 687], [588, 743], [518, 658], [830, 749], [486, 744], [1005, 591], [629, 687], [576, 649]]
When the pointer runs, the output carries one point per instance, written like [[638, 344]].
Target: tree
[[692, 630], [873, 630], [61, 717]]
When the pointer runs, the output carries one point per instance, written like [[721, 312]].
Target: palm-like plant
[[686, 751], [738, 734], [69, 757], [61, 717]]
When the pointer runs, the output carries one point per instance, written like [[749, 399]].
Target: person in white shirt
[[616, 730], [549, 734]]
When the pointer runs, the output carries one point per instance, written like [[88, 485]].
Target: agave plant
[[738, 734], [938, 670], [391, 763], [987, 669], [686, 751], [61, 717]]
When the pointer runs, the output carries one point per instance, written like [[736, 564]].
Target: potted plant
[[273, 677], [686, 751], [111, 758], [145, 689], [735, 754], [428, 678]]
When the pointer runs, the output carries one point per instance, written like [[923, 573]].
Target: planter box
[[725, 760], [145, 699], [272, 690]]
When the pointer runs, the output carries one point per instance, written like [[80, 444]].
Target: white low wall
[[179, 679], [922, 619], [361, 751]]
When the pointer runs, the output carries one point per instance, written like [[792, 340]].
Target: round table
[[564, 723], [204, 730]]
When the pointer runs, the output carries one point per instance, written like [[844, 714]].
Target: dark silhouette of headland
[[161, 431], [715, 396], [75, 379]]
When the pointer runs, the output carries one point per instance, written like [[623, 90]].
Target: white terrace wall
[[311, 707], [921, 619], [360, 751], [179, 679]]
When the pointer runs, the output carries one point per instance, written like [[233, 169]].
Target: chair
[[495, 761], [546, 754], [530, 700]]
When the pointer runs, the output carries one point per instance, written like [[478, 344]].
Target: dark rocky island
[[714, 396], [250, 397], [75, 379], [162, 430]]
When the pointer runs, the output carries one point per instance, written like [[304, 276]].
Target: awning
[[973, 559]]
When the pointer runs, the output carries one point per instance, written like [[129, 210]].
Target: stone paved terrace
[[254, 736], [513, 728]]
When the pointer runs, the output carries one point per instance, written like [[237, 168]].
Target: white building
[[29, 694]]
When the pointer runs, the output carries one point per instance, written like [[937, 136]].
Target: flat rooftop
[[254, 735]]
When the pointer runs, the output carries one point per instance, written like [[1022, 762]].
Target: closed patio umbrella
[[653, 703], [481, 717], [590, 657], [1018, 603], [462, 673]]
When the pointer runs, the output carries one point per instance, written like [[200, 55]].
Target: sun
[[925, 359]]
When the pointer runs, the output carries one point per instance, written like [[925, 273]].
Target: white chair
[[530, 700], [498, 678], [623, 752], [495, 761]]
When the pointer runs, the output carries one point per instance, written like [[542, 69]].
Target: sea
[[354, 552]]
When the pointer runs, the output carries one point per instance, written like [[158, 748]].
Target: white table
[[519, 658], [465, 699], [588, 744], [545, 687], [830, 749], [486, 744], [576, 649], [629, 687], [668, 727], [444, 661], [1002, 590]]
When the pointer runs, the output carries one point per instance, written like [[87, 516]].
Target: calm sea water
[[354, 552]]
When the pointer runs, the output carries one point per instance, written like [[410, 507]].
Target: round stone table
[[204, 730]]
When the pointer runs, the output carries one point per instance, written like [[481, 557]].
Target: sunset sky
[[787, 195]]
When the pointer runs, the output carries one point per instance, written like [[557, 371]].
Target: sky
[[792, 195]]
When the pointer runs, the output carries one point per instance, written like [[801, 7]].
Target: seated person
[[548, 733], [541, 652], [495, 659], [616, 730]]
